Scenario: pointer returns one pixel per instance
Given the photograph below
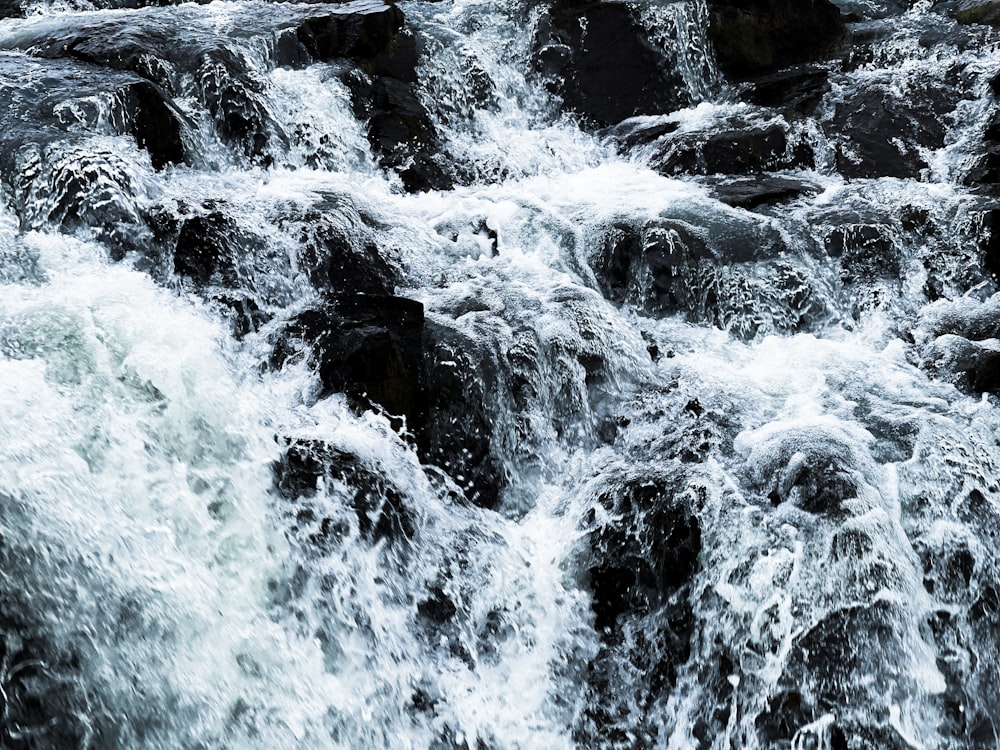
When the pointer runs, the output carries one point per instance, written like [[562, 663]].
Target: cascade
[[499, 375]]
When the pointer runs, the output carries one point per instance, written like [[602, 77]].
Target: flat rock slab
[[757, 190]]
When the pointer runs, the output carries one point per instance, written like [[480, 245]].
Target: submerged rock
[[381, 509]]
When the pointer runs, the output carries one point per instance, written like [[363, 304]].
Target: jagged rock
[[208, 246], [601, 61], [367, 346], [644, 561], [456, 431], [756, 37], [881, 134], [166, 52], [338, 255], [866, 252], [154, 121], [399, 127], [381, 509]]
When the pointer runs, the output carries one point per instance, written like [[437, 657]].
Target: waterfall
[[499, 375]]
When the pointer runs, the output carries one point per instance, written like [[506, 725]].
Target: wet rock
[[154, 121], [835, 658], [971, 363], [367, 346], [881, 134], [976, 11], [380, 508], [794, 91], [337, 252], [733, 148], [647, 555], [55, 168], [600, 59], [749, 151], [644, 563], [868, 10], [948, 570], [767, 189], [456, 432], [756, 37], [208, 247], [168, 48], [817, 466], [235, 98], [960, 341], [989, 242], [400, 130], [367, 30], [716, 266], [866, 252], [429, 377]]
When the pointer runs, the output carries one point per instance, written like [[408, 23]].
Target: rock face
[[881, 134], [368, 346], [641, 577], [756, 37], [603, 63], [380, 350]]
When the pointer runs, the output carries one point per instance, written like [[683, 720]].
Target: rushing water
[[760, 516]]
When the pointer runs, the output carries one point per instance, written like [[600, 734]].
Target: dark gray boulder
[[757, 37], [603, 63]]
